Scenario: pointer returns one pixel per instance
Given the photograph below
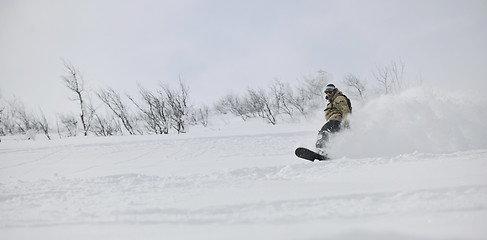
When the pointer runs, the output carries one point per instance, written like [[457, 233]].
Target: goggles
[[329, 90]]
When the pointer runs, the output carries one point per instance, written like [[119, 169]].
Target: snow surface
[[413, 166]]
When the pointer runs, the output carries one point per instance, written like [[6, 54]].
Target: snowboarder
[[336, 112]]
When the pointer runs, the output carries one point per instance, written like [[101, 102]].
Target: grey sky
[[218, 46]]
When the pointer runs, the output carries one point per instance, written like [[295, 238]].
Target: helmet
[[330, 88]]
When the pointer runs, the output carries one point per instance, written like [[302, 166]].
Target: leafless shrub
[[261, 104], [75, 82], [7, 123], [391, 78], [311, 89], [105, 125], [178, 102], [280, 94], [114, 102], [43, 124], [67, 124], [15, 119], [232, 103], [154, 110], [355, 85], [201, 115]]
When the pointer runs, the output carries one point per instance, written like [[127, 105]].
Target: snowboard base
[[309, 155]]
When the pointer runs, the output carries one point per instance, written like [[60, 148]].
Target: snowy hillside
[[411, 167]]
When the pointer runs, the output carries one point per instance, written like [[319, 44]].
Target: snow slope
[[238, 180]]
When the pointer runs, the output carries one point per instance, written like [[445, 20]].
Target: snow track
[[148, 200]]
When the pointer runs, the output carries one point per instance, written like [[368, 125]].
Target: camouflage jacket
[[337, 108]]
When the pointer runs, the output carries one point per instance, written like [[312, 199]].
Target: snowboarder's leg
[[322, 140], [331, 126]]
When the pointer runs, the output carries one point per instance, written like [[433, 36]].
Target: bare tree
[[391, 77], [4, 119], [200, 116], [8, 118], [203, 115], [297, 102], [22, 121], [154, 109], [69, 124], [397, 74], [382, 75], [113, 100], [261, 104], [355, 84], [105, 125], [178, 102], [44, 124], [234, 104], [2, 116], [74, 81], [311, 90], [282, 94]]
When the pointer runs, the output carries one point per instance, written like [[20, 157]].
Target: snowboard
[[307, 154]]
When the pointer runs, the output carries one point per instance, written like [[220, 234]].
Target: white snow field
[[413, 166]]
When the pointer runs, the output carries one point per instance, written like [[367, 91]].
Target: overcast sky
[[222, 46]]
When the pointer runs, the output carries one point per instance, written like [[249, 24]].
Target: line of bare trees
[[166, 109], [279, 101], [160, 111], [155, 112]]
